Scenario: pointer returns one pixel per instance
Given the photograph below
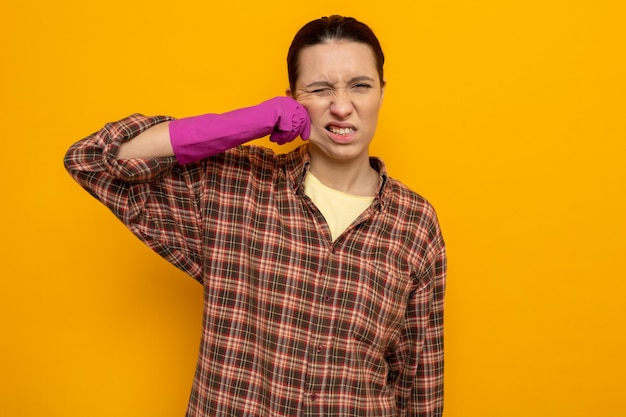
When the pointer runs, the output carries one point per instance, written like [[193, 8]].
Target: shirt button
[[327, 298], [313, 397], [320, 348]]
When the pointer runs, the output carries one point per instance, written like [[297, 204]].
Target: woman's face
[[340, 87]]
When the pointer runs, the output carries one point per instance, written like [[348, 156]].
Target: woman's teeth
[[341, 131]]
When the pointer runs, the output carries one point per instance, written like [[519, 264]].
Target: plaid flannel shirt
[[295, 324]]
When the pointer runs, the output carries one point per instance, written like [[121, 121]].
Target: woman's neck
[[355, 176]]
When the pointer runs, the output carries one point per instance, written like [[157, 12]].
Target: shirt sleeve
[[419, 358], [155, 198]]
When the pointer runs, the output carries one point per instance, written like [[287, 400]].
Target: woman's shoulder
[[407, 202], [258, 161]]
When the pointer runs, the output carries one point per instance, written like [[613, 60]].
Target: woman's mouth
[[341, 131]]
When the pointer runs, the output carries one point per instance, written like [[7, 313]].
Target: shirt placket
[[321, 336], [320, 327]]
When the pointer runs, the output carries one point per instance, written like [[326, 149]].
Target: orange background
[[509, 116]]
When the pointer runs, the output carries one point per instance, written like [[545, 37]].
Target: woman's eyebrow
[[360, 79]]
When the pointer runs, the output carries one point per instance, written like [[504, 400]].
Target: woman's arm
[[417, 363], [155, 198], [195, 138], [152, 143]]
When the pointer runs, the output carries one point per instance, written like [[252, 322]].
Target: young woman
[[323, 277]]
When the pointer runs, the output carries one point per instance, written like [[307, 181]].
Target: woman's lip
[[341, 130], [341, 137], [340, 125]]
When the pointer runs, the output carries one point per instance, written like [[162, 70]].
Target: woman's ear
[[382, 91], [288, 92]]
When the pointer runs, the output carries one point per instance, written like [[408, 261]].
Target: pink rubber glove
[[199, 137]]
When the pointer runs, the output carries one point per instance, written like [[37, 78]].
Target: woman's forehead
[[337, 58]]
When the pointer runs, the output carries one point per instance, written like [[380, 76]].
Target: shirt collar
[[299, 161]]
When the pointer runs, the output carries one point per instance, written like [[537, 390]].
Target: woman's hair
[[327, 29]]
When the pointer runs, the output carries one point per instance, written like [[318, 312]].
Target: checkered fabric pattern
[[295, 324]]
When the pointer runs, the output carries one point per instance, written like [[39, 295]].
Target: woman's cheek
[[314, 108], [315, 135]]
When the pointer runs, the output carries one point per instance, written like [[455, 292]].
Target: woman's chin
[[335, 151]]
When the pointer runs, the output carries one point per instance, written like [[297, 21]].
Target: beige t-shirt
[[338, 208]]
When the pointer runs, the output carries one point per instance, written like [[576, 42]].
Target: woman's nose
[[341, 104]]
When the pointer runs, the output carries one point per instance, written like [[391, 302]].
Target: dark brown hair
[[329, 28]]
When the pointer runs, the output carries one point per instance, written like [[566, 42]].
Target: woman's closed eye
[[324, 91], [361, 87]]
